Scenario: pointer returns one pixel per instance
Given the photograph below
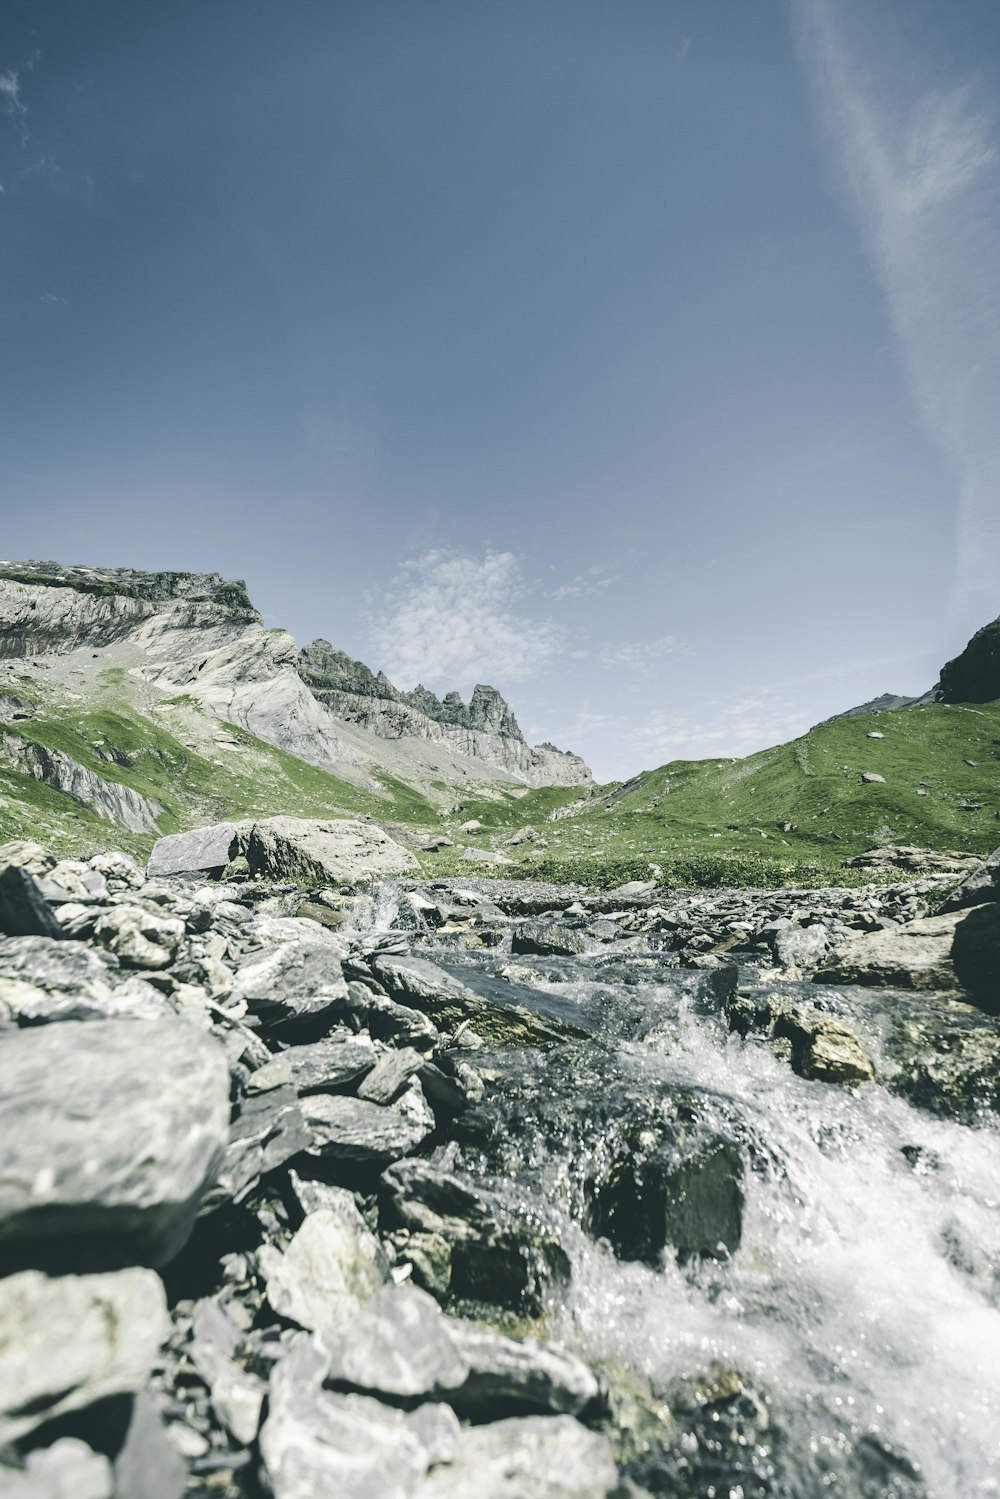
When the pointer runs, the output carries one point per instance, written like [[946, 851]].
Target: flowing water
[[863, 1301]]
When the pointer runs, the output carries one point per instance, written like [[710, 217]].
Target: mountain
[[145, 699]]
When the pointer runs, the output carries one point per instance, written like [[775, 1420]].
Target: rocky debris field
[[300, 1175]]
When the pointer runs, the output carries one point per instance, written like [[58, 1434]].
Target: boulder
[[69, 1469], [399, 1346], [975, 954], [317, 1443], [113, 1129], [42, 980], [339, 852], [268, 1131], [517, 1374], [528, 1457], [355, 1131], [327, 1066], [70, 1342], [200, 850], [547, 939], [916, 955], [823, 1048], [390, 1075], [979, 886], [296, 987], [332, 1266], [24, 911], [138, 938], [450, 1004]]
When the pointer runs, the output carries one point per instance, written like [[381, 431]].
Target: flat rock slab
[[337, 851], [324, 1067], [914, 956], [112, 1130], [198, 850], [71, 1341], [295, 985], [350, 1129], [450, 1003]]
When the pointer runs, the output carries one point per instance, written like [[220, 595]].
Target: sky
[[641, 358]]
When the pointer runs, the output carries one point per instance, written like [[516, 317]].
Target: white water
[[864, 1286]]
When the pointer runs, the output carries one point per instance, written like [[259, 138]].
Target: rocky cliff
[[483, 729], [199, 635]]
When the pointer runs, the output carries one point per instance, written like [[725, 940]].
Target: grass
[[710, 822]]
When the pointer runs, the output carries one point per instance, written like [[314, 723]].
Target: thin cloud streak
[[924, 185]]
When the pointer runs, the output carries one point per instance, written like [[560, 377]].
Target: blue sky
[[640, 358]]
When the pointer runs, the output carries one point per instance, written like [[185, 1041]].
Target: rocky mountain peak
[[973, 676], [134, 583]]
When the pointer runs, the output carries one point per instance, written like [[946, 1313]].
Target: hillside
[[799, 804]]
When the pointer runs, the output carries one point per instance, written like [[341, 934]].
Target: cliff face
[[973, 676], [199, 634], [483, 729]]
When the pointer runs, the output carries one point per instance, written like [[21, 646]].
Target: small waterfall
[[377, 913]]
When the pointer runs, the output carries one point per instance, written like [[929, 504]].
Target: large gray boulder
[[294, 986], [72, 1341], [400, 1346], [980, 885], [332, 1266], [334, 852], [112, 1130], [199, 850], [914, 956]]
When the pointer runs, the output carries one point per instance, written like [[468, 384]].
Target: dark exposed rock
[[353, 1131], [973, 676], [980, 885], [450, 1003], [975, 954], [327, 1066], [547, 938], [24, 911]]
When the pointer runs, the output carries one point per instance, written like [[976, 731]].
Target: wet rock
[[138, 938], [113, 1130], [75, 1340], [800, 947], [24, 911], [518, 1374], [326, 1066], [528, 1457], [914, 956], [547, 939], [199, 850], [975, 954], [352, 1130], [332, 1266], [451, 1004], [69, 1469], [400, 1346], [296, 988], [429, 1257], [823, 1048], [498, 1256], [335, 852], [315, 1442]]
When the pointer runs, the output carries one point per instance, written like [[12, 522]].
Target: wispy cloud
[[921, 170], [641, 656], [14, 106], [451, 620], [594, 580]]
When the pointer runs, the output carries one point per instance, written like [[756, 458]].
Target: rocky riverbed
[[318, 1186]]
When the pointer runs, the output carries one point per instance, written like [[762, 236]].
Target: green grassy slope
[[194, 785], [727, 815]]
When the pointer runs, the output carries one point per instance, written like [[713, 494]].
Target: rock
[[113, 1129], [800, 946], [332, 1266], [149, 1465], [352, 1130], [634, 889], [873, 777], [237, 1396], [400, 1346], [24, 911], [42, 980], [517, 1374], [317, 1443], [26, 855], [137, 938], [485, 856], [497, 1256], [391, 1073], [450, 1004], [327, 1066], [472, 826], [297, 987], [528, 1457], [975, 954], [336, 852], [980, 885], [73, 1341], [916, 955], [268, 1131], [429, 1258], [823, 1048], [547, 939], [207, 849], [69, 1469], [973, 676]]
